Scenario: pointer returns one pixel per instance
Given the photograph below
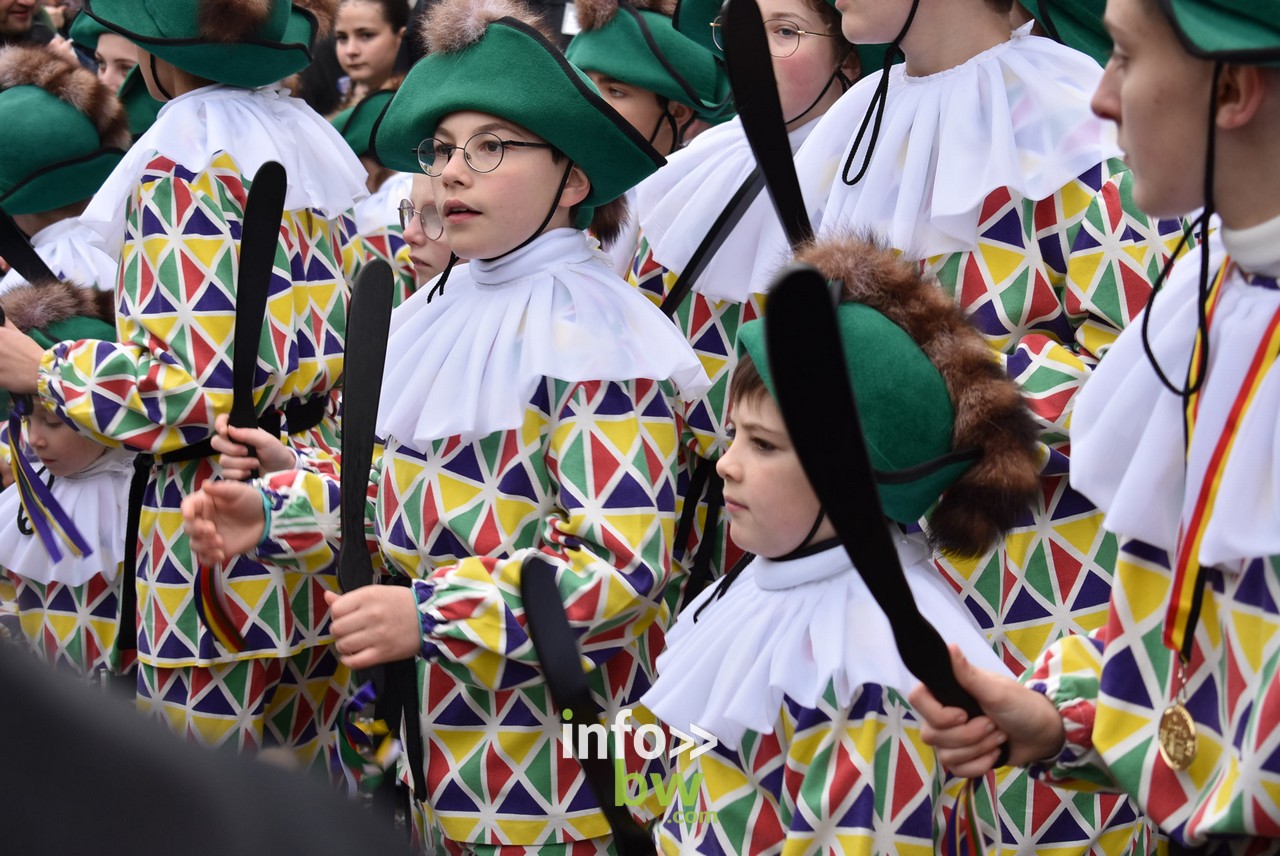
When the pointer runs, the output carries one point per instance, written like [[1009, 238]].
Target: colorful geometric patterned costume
[[380, 236], [1113, 686], [844, 770], [160, 387], [68, 611], [671, 203], [1036, 236], [586, 477]]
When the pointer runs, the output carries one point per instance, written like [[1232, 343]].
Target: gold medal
[[1177, 737]]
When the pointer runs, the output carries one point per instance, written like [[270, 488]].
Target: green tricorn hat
[[1074, 23], [141, 108], [1239, 31], [487, 56], [85, 32], [237, 42], [637, 44], [356, 124], [63, 131], [693, 18], [944, 426]]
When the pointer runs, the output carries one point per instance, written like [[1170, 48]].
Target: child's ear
[[576, 188], [1242, 89]]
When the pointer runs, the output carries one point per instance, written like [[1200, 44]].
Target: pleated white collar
[[467, 364], [792, 629]]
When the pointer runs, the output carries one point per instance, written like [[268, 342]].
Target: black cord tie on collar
[[876, 108]]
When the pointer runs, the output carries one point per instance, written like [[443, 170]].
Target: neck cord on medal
[[155, 76], [1202, 222], [876, 108], [805, 549], [438, 288]]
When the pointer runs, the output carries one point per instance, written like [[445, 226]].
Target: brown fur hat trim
[[594, 14], [455, 25], [990, 415], [48, 301], [66, 80], [609, 221], [324, 11], [232, 21]]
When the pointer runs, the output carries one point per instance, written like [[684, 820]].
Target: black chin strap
[[835, 75], [155, 76], [551, 212], [805, 549], [876, 108], [1192, 385], [438, 288]]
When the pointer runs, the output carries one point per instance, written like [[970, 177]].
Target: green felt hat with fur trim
[[63, 131], [1240, 31], [693, 18], [355, 124], [52, 311], [639, 45], [946, 429], [237, 42], [1075, 23]]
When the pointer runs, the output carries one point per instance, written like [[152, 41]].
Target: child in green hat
[[677, 210], [1174, 700], [527, 410], [65, 603], [789, 662], [173, 212], [666, 85], [63, 134], [378, 217], [1075, 23]]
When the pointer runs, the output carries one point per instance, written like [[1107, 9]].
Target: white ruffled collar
[[252, 125], [382, 208], [1128, 454], [793, 629], [97, 499], [1015, 116], [467, 365], [677, 205], [67, 247]]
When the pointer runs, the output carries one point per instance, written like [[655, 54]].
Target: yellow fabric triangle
[[622, 434], [1076, 197], [1002, 263]]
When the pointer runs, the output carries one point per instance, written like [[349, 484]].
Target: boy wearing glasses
[[527, 412]]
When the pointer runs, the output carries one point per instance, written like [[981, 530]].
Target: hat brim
[[539, 90], [1221, 33], [248, 63], [60, 184]]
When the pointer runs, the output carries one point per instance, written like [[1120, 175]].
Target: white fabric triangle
[[254, 126], [97, 500], [1127, 431], [467, 364], [791, 629]]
